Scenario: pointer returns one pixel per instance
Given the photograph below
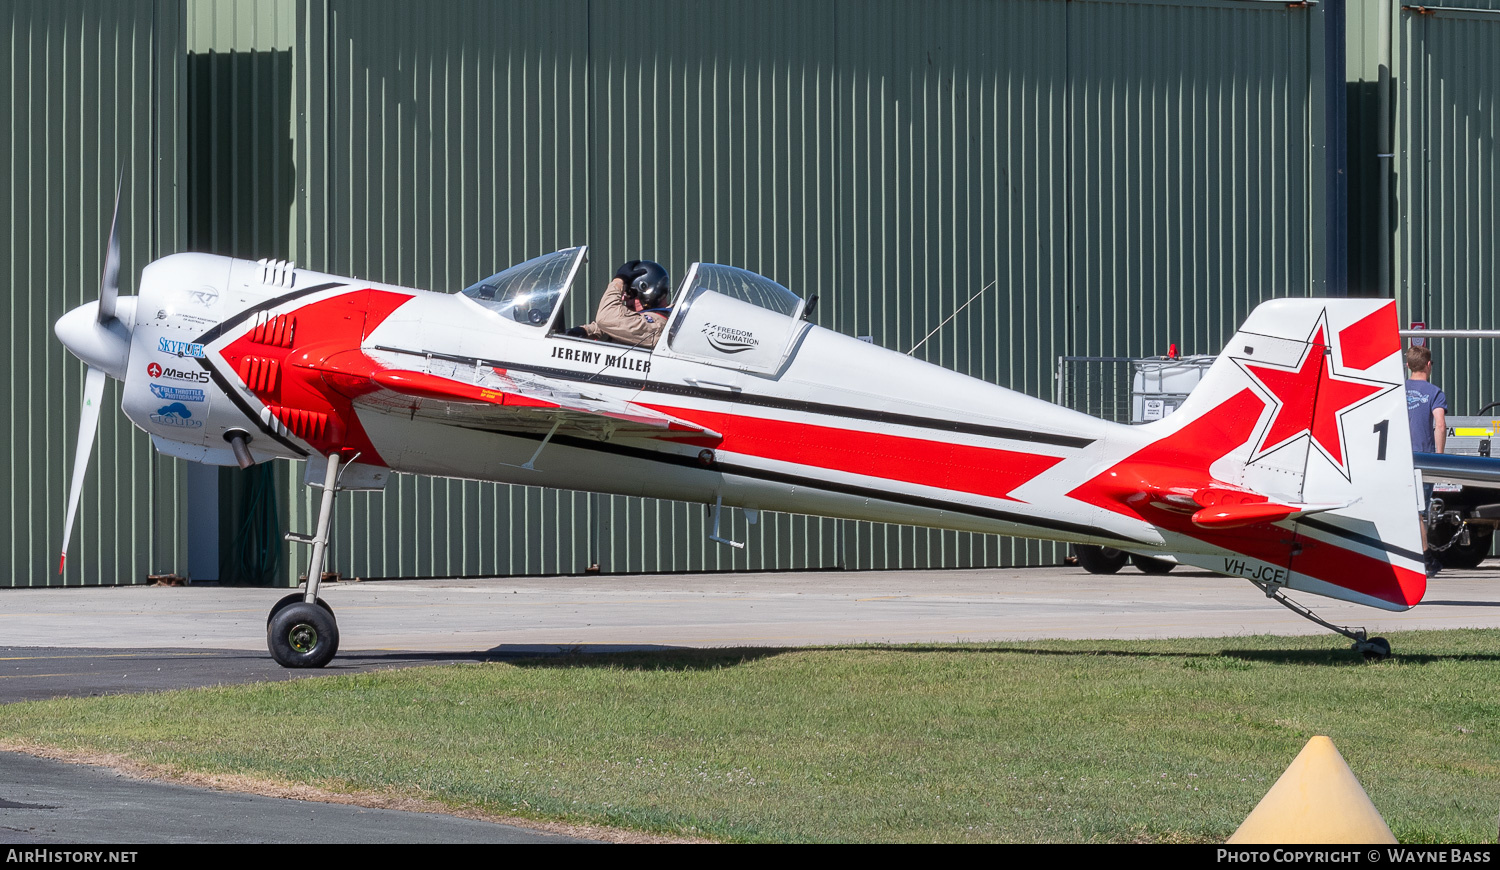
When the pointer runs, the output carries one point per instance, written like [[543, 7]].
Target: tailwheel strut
[[1372, 648]]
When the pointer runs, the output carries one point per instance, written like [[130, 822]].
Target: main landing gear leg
[[1372, 648], [301, 631]]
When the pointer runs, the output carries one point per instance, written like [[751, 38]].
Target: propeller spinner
[[99, 334]]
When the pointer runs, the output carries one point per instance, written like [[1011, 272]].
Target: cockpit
[[530, 292], [721, 315], [733, 318]]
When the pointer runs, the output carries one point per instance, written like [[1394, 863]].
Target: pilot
[[634, 308]]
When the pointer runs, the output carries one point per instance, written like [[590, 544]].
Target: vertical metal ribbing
[[83, 84], [891, 158], [1448, 172]]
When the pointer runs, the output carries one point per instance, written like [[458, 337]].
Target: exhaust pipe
[[239, 442]]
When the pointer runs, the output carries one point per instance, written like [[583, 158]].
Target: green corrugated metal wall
[[242, 180], [1447, 70], [1130, 173], [1126, 173], [1195, 169], [88, 87], [1440, 72]]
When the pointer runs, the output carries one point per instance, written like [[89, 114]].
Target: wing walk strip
[[229, 389], [764, 401], [826, 485]]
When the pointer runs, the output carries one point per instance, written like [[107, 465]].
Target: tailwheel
[[1373, 649], [303, 635]]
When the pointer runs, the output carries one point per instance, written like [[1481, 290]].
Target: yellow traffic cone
[[1317, 800]]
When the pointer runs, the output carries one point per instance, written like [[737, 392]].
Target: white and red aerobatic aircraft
[[1289, 466]]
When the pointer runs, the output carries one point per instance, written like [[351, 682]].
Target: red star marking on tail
[[1311, 400]]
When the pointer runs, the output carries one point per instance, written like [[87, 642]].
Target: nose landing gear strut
[[301, 631]]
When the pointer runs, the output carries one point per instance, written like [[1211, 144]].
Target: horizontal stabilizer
[[1230, 507], [1235, 515]]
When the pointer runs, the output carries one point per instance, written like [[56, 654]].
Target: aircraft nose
[[104, 346]]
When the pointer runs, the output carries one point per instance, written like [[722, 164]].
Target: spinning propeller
[[99, 334]]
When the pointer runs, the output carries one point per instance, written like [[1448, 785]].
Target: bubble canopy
[[529, 292], [732, 318]]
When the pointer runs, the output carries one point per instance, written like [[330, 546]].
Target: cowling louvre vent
[[277, 273], [274, 330], [260, 374]]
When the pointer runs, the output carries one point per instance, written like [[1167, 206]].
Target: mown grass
[[1051, 741]]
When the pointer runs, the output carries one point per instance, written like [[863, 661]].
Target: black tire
[[289, 600], [1464, 558], [303, 636], [1148, 565], [1374, 649], [1099, 560]]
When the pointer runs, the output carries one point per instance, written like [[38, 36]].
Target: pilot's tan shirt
[[616, 322]]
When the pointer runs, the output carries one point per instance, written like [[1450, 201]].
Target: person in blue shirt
[[1427, 414], [1426, 404]]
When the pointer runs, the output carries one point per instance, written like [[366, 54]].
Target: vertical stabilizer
[[1290, 464]]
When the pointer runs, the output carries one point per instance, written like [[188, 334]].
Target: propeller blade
[[109, 282], [88, 425]]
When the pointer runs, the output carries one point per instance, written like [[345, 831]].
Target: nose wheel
[[303, 635], [301, 631]]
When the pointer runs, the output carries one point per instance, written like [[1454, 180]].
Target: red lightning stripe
[[1371, 339], [326, 328], [985, 471]]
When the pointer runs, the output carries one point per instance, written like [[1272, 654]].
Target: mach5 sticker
[[171, 374]]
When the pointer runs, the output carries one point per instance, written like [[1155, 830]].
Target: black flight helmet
[[652, 285]]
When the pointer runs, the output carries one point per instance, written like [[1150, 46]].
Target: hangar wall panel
[[242, 179], [951, 131], [712, 142], [1448, 188], [1195, 170], [1117, 174], [443, 143], [89, 88]]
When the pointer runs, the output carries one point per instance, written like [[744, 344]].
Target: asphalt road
[[86, 641], [44, 801], [517, 616]]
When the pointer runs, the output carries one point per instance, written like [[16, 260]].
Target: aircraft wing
[[495, 399]]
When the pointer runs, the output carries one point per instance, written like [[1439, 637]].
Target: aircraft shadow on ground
[[646, 657], [1338, 655], [692, 659]]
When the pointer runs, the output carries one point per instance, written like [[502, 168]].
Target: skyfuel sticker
[[179, 348]]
